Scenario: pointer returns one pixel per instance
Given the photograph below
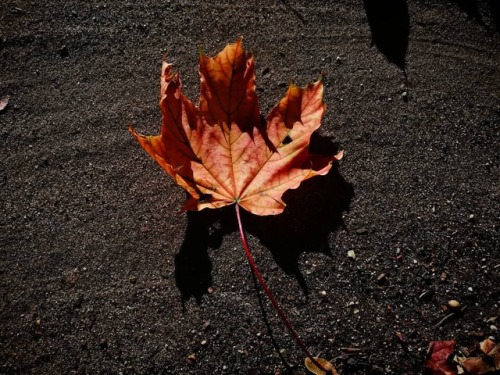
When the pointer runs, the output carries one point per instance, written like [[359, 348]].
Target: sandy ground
[[101, 274]]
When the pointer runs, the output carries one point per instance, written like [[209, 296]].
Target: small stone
[[381, 278], [338, 60], [210, 290], [454, 304], [204, 343], [351, 254], [3, 103], [206, 325], [323, 292], [493, 328], [191, 358]]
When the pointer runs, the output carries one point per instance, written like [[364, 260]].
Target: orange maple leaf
[[221, 152]]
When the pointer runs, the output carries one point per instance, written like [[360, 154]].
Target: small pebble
[[323, 292], [204, 343], [351, 254], [381, 278], [493, 328], [454, 304]]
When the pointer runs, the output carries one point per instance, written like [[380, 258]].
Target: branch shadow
[[390, 27], [495, 13], [472, 9], [313, 212]]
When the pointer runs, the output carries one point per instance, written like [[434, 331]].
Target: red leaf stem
[[280, 312]]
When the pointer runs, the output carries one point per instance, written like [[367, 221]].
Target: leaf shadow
[[193, 267], [313, 212], [390, 27]]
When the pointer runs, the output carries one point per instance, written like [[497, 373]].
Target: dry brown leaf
[[487, 364], [317, 371]]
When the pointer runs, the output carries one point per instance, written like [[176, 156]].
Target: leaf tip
[[132, 131]]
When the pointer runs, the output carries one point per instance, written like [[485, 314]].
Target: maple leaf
[[437, 358], [221, 152]]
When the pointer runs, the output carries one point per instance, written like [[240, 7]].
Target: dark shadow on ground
[[313, 212], [390, 27], [193, 268], [495, 13], [472, 9]]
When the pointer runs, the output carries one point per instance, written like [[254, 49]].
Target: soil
[[101, 273]]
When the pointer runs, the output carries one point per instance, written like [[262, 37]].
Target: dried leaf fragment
[[316, 370], [489, 363], [437, 358], [221, 152]]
